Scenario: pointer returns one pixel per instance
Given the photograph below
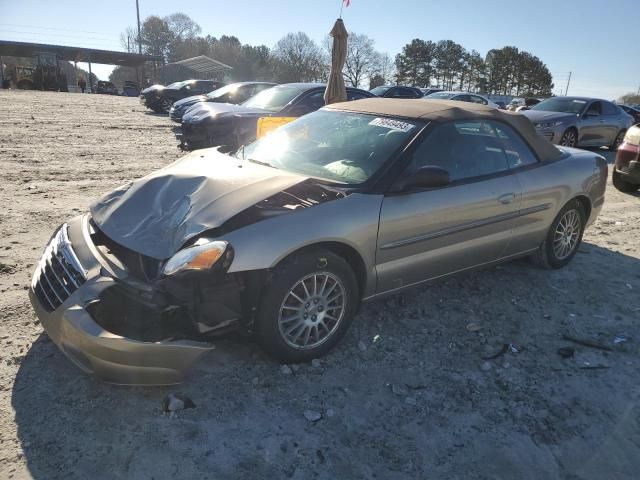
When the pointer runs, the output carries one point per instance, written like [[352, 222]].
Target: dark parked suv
[[160, 98]]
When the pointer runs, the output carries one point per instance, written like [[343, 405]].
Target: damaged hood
[[158, 214]]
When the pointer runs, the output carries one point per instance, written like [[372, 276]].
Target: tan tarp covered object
[[336, 90]]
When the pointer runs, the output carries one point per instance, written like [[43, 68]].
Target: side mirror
[[429, 176]]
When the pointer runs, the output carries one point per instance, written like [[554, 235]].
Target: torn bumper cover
[[70, 286]]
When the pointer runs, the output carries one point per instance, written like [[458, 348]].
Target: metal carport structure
[[11, 48]]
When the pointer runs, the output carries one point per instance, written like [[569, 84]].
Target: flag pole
[[341, 7]]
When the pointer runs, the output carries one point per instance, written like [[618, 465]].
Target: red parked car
[[626, 173]]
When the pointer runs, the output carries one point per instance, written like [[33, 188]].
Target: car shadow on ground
[[249, 423]]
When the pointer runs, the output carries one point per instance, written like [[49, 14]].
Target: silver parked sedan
[[580, 121], [289, 234]]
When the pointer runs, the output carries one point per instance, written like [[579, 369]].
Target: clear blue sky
[[595, 39]]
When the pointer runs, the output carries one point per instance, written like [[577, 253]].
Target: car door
[[540, 191], [425, 234], [592, 129]]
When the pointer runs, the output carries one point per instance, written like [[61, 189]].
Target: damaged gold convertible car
[[286, 236]]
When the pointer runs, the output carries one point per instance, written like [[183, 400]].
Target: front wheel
[[621, 184], [307, 307], [563, 238], [569, 138]]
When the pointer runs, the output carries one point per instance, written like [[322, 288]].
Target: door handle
[[602, 121], [506, 198]]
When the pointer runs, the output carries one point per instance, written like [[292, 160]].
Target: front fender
[[352, 221]]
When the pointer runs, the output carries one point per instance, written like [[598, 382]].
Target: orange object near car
[[267, 124]]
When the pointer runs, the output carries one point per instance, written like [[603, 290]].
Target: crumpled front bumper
[[111, 357]]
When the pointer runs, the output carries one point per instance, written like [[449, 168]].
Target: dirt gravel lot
[[407, 394]]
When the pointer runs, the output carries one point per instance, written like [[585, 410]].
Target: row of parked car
[[212, 114]]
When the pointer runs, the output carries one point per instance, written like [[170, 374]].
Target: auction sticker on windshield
[[392, 124]]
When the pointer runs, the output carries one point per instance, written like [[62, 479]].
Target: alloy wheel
[[567, 234], [568, 139], [312, 310]]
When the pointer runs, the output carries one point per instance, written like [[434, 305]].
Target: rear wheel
[[621, 184], [307, 307], [618, 140], [569, 138], [563, 238]]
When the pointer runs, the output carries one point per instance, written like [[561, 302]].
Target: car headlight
[[548, 124], [202, 255]]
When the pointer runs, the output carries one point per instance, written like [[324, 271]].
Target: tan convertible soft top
[[447, 110]]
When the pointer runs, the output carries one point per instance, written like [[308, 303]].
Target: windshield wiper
[[260, 162]]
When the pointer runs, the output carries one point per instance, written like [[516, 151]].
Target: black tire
[[165, 105], [621, 184], [569, 138], [618, 140], [286, 277], [546, 256]]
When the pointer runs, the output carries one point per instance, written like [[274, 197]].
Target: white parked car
[[462, 97]]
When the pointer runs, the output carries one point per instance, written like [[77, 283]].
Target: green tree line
[[297, 58]]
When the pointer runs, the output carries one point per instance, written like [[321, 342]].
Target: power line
[[55, 28], [63, 35]]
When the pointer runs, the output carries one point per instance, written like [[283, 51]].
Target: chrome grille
[[59, 272]]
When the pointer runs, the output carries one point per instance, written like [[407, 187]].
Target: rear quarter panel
[[547, 188]]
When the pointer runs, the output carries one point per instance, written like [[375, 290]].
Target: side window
[[260, 87], [466, 149], [310, 103], [609, 108], [477, 99], [355, 95], [243, 93], [595, 108], [402, 92], [462, 98], [517, 151]]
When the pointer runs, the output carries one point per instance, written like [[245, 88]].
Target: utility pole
[[566, 92], [139, 76], [139, 37]]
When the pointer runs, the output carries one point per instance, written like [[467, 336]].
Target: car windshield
[[177, 85], [562, 105], [379, 91], [442, 95], [223, 91], [276, 98], [341, 147]]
